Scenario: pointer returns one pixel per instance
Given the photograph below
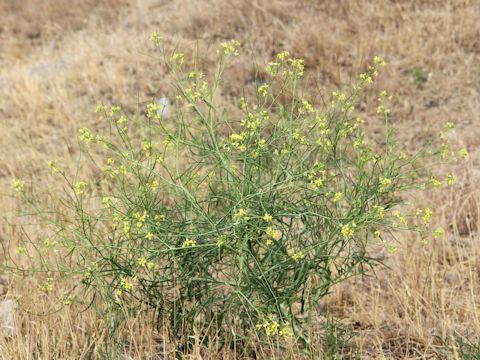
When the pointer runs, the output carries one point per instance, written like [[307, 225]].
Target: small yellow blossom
[[385, 183], [220, 241], [156, 39], [159, 218], [153, 111], [142, 262], [435, 182], [79, 187], [427, 215], [283, 55], [267, 217], [242, 214], [52, 164], [69, 300], [463, 153], [297, 256], [347, 231], [366, 78], [272, 68], [106, 202], [449, 125], [48, 244], [87, 275], [178, 57], [47, 286], [22, 250], [18, 185], [337, 197], [230, 47], [393, 249], [298, 66], [263, 90], [149, 235], [380, 211], [305, 108], [126, 284], [317, 184], [188, 243], [451, 179], [273, 234], [85, 135], [439, 232], [378, 61]]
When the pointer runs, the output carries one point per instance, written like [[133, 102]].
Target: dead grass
[[59, 58]]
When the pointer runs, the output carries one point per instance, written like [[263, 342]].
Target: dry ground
[[59, 58]]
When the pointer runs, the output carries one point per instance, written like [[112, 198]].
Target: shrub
[[225, 226]]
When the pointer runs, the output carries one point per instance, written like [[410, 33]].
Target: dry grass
[[59, 58]]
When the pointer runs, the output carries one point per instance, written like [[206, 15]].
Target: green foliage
[[418, 76], [228, 220], [464, 348]]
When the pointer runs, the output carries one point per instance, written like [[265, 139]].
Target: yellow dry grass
[[58, 59]]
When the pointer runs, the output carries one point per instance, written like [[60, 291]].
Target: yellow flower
[[220, 241], [366, 78], [188, 243], [337, 197], [435, 182], [152, 111], [142, 262], [347, 231], [283, 55], [159, 218], [317, 184], [18, 185], [272, 233], [393, 249], [106, 202], [439, 232], [297, 256], [69, 300], [47, 286], [267, 217], [305, 108], [427, 215], [79, 187], [178, 57], [378, 61], [22, 251], [230, 48], [449, 125], [52, 164], [451, 179], [463, 153], [385, 182], [298, 66], [85, 135], [272, 68], [126, 284], [156, 39], [242, 214], [149, 235], [380, 211], [263, 90]]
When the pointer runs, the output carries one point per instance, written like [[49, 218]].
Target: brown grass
[[58, 59]]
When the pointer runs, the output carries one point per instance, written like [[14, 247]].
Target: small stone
[[163, 107], [452, 278], [7, 317]]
